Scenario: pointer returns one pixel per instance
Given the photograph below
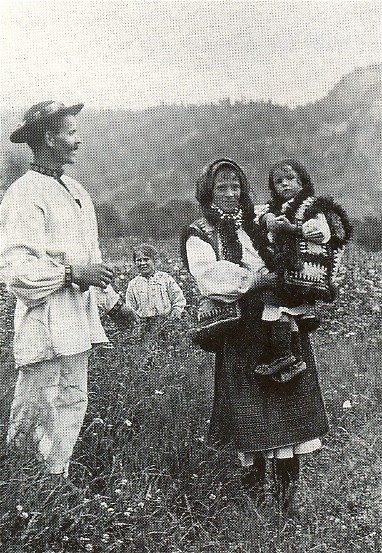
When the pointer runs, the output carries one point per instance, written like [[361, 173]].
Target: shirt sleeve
[[106, 298], [318, 224], [177, 299], [220, 280], [24, 265], [130, 297]]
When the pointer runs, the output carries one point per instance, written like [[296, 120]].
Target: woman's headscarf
[[226, 226]]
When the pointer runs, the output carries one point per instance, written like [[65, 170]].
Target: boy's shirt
[[156, 295]]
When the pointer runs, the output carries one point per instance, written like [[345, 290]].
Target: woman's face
[[286, 182], [227, 189]]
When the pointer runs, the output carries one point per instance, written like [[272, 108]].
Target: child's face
[[144, 264], [286, 183]]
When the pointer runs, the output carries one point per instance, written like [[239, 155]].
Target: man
[[50, 259]]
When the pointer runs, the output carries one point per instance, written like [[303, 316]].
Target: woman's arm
[[221, 280]]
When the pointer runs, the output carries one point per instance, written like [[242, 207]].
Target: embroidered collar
[[236, 216], [55, 173]]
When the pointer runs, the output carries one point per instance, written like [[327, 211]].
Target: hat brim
[[22, 133]]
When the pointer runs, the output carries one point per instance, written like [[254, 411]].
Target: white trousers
[[49, 406]]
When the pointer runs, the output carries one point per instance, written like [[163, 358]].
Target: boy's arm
[[177, 299]]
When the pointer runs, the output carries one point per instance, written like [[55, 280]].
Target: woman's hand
[[269, 280]]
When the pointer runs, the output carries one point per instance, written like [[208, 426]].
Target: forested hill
[[144, 160]]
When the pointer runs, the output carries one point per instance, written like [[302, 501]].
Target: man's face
[[65, 142]]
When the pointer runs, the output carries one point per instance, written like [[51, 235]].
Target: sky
[[132, 55]]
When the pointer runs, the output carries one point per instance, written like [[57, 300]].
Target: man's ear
[[49, 138]]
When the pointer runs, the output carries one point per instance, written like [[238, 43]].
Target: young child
[[303, 241], [153, 293]]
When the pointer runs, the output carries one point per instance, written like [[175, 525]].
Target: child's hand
[[270, 222], [312, 235], [283, 224], [175, 315]]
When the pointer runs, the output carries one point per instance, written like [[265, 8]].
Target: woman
[[262, 418]]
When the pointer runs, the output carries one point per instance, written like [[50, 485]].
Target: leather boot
[[253, 480], [285, 476]]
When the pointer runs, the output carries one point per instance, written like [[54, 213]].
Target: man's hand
[[97, 274], [175, 315], [128, 314]]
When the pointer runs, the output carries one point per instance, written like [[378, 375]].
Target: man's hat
[[40, 113]]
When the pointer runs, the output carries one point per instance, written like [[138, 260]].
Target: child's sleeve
[[317, 224], [177, 299], [130, 298]]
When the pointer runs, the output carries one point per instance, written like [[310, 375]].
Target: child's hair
[[303, 175], [146, 249]]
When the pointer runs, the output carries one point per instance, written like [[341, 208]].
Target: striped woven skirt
[[255, 413]]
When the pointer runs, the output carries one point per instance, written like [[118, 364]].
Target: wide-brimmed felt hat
[[39, 113]]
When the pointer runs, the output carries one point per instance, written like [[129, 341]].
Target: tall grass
[[152, 482]]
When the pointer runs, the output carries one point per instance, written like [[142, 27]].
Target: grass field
[[155, 486]]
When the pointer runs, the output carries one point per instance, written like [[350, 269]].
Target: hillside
[[154, 155]]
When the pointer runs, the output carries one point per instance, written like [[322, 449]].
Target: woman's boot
[[253, 480], [285, 476]]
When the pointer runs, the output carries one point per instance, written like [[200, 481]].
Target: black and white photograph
[[191, 276]]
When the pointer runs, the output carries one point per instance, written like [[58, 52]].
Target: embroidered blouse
[[223, 280]]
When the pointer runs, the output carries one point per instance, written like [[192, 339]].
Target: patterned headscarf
[[226, 224]]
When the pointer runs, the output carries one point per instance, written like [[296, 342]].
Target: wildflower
[[98, 420], [201, 439], [24, 515], [88, 547], [118, 491], [110, 510], [194, 476], [347, 404], [65, 538], [159, 392], [128, 423], [123, 482], [105, 537], [127, 513], [140, 505], [212, 496], [103, 505], [19, 508]]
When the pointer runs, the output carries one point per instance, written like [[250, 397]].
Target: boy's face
[[286, 182], [144, 264]]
